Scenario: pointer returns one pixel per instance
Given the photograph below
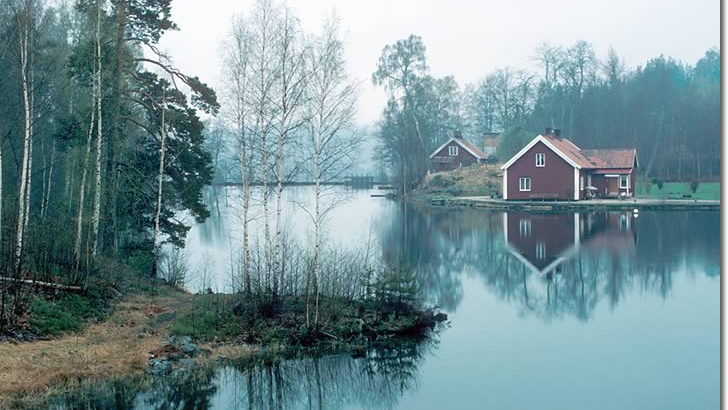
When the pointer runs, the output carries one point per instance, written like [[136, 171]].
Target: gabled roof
[[567, 150], [612, 158], [578, 158], [467, 146]]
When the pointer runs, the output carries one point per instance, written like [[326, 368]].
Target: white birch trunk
[[277, 271], [27, 127], [99, 136], [82, 190]]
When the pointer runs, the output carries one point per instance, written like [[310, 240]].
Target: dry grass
[[117, 347], [473, 180]]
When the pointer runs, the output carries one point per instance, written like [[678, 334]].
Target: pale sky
[[466, 39]]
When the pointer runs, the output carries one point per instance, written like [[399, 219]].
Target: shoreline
[[128, 343], [483, 202]]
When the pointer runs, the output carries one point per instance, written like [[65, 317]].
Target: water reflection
[[551, 265], [373, 379]]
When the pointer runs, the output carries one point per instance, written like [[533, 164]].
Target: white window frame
[[540, 251], [522, 184], [452, 150], [624, 178], [581, 183], [541, 163]]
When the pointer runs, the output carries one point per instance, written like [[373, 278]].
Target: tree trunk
[[27, 127], [82, 191], [99, 135], [158, 212]]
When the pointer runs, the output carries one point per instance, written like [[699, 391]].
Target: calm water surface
[[550, 311]]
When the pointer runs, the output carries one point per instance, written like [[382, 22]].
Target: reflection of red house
[[552, 167], [543, 241], [455, 153]]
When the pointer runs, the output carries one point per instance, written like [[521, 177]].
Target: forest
[[107, 146], [668, 110]]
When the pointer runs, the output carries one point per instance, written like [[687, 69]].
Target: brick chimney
[[557, 133], [458, 134], [549, 131]]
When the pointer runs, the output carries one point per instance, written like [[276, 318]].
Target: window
[[524, 184], [624, 181], [452, 151], [540, 160], [524, 227], [540, 251]]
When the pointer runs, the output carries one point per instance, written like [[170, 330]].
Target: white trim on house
[[539, 138], [626, 180], [576, 184], [478, 157], [505, 184]]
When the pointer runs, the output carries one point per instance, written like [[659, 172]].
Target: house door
[[612, 186]]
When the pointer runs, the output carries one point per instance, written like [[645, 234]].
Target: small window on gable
[[540, 160], [452, 150], [624, 181]]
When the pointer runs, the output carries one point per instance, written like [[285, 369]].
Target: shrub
[[694, 186], [55, 317]]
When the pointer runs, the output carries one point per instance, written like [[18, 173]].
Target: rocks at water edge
[[160, 367], [181, 351]]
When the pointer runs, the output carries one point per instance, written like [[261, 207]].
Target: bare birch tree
[[99, 135], [290, 91], [237, 77], [331, 141], [263, 72], [25, 23]]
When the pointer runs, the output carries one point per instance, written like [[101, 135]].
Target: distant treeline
[[668, 110]]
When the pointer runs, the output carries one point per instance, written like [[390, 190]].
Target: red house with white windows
[[552, 167], [455, 153]]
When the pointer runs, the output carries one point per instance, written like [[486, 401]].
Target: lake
[[599, 310]]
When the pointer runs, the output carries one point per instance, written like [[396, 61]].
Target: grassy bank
[[679, 190], [73, 340], [475, 180]]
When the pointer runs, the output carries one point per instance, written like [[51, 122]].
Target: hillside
[[475, 180]]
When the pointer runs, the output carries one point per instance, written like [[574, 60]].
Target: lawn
[[679, 190]]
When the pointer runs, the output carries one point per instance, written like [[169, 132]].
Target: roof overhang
[[539, 138]]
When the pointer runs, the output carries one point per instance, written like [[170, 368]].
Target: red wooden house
[[455, 153], [552, 167]]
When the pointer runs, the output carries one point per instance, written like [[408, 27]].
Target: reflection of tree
[[376, 380], [184, 390], [443, 244]]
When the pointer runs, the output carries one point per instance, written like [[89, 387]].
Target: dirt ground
[[120, 346]]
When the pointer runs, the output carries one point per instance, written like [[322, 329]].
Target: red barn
[[552, 167], [455, 153]]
